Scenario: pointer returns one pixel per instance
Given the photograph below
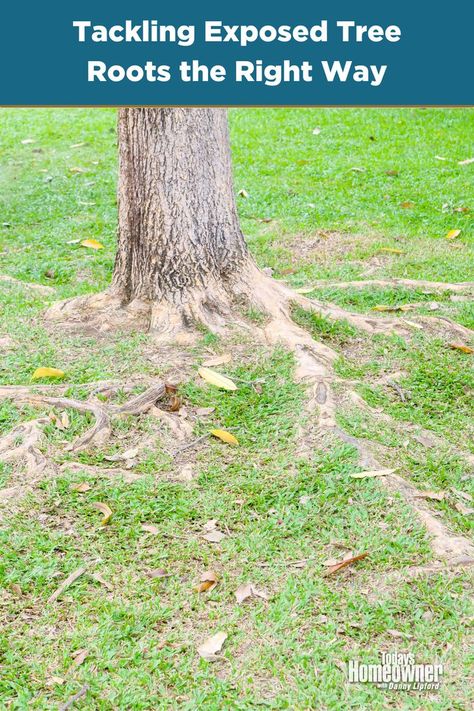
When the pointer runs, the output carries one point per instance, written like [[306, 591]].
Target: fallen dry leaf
[[434, 495], [207, 581], [463, 509], [91, 244], [205, 411], [247, 590], [78, 145], [391, 250], [220, 381], [98, 577], [47, 373], [66, 583], [26, 141], [387, 307], [343, 563], [105, 510], [78, 656], [76, 169], [243, 193], [212, 646], [407, 205], [225, 436], [461, 347], [81, 488], [462, 209], [399, 635], [218, 360], [370, 474], [149, 528], [452, 234], [214, 536], [391, 172], [467, 161], [158, 573], [6, 343]]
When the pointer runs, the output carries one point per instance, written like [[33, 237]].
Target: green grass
[[276, 504]]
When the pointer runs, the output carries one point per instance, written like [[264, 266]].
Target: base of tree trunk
[[220, 309]]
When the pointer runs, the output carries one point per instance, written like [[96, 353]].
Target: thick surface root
[[217, 309], [40, 288], [419, 284]]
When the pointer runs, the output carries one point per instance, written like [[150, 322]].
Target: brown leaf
[[434, 495], [81, 488], [247, 590], [158, 573], [461, 347], [407, 205], [218, 360], [207, 581], [150, 528], [98, 577], [214, 536], [204, 411], [66, 583], [212, 646], [76, 169], [344, 563], [462, 209], [399, 635], [105, 510], [391, 172], [175, 403], [78, 656]]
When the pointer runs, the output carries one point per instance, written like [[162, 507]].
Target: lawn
[[335, 195]]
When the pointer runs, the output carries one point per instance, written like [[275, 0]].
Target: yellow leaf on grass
[[220, 381], [47, 373], [370, 474], [225, 436], [386, 307], [391, 250], [92, 244], [461, 347], [105, 510], [452, 234]]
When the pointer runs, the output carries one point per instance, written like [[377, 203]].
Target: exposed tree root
[[40, 288], [22, 445], [216, 309], [460, 287]]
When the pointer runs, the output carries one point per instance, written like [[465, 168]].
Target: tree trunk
[[178, 225]]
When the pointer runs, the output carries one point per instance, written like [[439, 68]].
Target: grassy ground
[[325, 205]]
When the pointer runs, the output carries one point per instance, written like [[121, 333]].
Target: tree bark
[[178, 226]]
